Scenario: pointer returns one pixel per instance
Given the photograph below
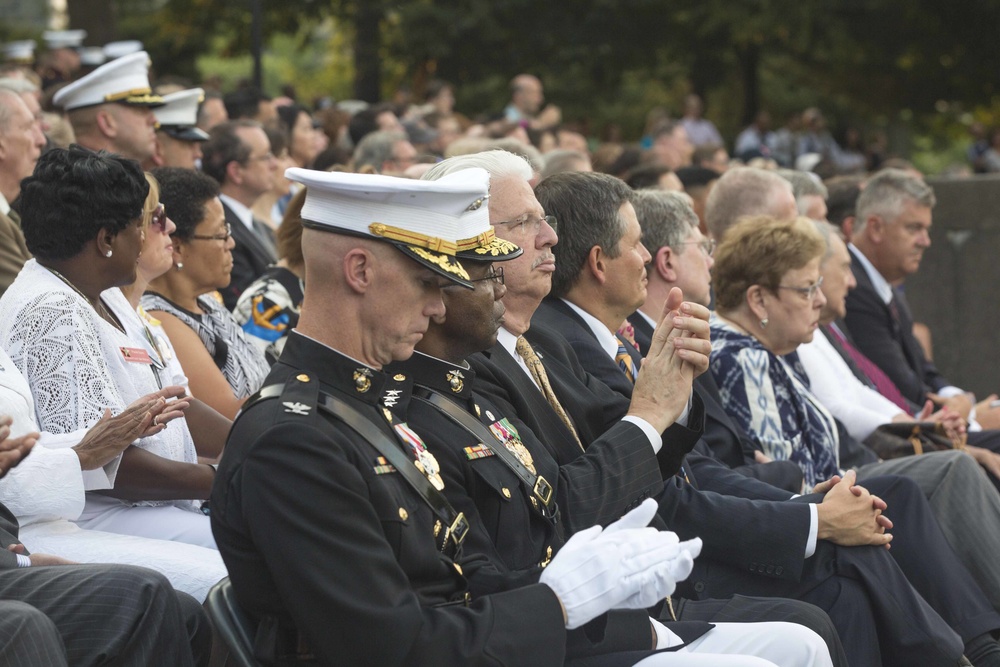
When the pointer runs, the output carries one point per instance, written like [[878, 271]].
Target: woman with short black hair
[[64, 327], [222, 365]]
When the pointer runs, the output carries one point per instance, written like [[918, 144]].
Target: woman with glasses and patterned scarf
[[222, 366]]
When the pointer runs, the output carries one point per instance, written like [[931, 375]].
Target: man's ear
[[597, 264], [234, 172], [663, 264], [875, 229], [359, 269], [848, 227], [106, 122]]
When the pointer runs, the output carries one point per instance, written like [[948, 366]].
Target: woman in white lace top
[[61, 322]]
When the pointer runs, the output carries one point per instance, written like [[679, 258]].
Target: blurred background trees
[[918, 71]]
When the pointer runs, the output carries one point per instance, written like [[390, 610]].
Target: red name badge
[[136, 355]]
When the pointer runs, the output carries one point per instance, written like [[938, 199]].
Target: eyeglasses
[[495, 274], [707, 245], [214, 237], [159, 218], [808, 292], [529, 224]]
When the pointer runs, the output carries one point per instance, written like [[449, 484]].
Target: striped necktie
[[624, 361]]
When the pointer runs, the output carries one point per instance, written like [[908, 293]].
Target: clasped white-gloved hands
[[625, 566]]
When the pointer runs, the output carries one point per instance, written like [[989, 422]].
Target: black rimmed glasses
[[214, 237], [529, 224], [707, 245], [495, 274], [808, 292]]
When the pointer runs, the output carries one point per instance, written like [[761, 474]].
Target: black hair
[[73, 194], [184, 193], [224, 145], [693, 177], [587, 207], [244, 103]]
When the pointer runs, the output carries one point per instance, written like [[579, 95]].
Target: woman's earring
[[763, 323], [108, 253], [180, 265]]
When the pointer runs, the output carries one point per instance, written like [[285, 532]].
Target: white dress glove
[[626, 565]]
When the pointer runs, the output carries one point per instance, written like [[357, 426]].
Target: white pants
[[749, 645], [189, 568], [163, 522]]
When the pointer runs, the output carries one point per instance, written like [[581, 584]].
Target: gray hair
[[7, 107], [887, 192], [804, 185], [666, 218], [826, 230], [498, 163], [18, 85], [561, 160], [741, 192], [527, 151], [376, 148]]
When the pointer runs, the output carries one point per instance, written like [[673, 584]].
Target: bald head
[[744, 192]]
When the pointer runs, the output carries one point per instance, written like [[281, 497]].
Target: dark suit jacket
[[890, 344], [251, 256], [741, 534], [317, 532], [13, 252], [509, 531]]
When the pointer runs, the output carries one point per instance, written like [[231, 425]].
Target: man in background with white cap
[[111, 108], [62, 58], [328, 509], [178, 139]]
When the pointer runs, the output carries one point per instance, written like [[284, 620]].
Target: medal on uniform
[[425, 463], [505, 432]]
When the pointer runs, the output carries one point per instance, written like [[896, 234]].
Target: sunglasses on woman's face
[[159, 218]]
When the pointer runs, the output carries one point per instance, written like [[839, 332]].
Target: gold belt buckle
[[543, 490]]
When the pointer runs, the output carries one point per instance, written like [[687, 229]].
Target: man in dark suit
[[372, 549], [596, 208], [22, 140], [891, 232], [53, 612], [238, 155]]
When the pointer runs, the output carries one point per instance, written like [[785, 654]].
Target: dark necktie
[[870, 370]]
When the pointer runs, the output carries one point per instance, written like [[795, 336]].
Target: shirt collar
[[649, 320], [508, 341], [607, 339], [244, 214], [4, 206], [881, 285]]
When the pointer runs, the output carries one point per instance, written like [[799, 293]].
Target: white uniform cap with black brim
[[179, 115], [122, 81], [425, 220]]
